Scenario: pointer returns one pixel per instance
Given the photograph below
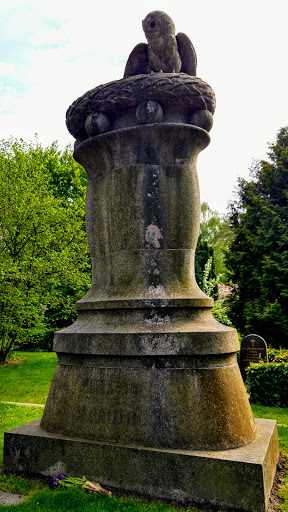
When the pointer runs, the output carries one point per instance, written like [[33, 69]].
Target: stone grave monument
[[253, 350], [147, 395]]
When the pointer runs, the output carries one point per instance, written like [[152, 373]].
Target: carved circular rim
[[171, 89]]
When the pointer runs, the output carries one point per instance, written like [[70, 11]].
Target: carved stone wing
[[187, 54], [137, 63]]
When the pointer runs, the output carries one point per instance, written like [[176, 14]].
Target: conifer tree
[[258, 256]]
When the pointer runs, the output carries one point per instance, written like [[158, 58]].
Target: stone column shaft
[[145, 363]]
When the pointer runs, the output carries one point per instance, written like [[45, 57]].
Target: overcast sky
[[53, 52]]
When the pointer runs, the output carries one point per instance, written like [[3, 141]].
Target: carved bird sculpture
[[164, 52]]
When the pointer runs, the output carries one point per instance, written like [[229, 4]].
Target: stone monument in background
[[147, 395]]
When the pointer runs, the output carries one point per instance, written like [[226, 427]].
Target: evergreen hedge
[[267, 383]]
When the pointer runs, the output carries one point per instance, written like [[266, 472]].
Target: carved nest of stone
[[142, 99]]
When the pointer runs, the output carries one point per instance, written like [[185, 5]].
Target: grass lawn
[[29, 383], [63, 500], [276, 413], [12, 416]]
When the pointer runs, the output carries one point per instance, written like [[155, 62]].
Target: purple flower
[[52, 483]]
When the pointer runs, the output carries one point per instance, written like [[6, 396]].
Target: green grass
[[284, 496], [30, 381], [12, 416], [66, 501], [276, 413], [19, 485]]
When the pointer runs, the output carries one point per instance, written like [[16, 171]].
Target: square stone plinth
[[239, 478]]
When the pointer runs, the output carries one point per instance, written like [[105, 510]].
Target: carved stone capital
[[180, 96]]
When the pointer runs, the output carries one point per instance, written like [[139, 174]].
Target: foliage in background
[[267, 383], [213, 241], [258, 256], [277, 356], [209, 283], [44, 265], [219, 310], [203, 254]]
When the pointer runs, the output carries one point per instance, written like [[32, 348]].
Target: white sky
[[52, 53]]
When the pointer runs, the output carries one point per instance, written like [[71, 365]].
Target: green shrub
[[268, 383], [277, 355], [220, 314], [219, 310]]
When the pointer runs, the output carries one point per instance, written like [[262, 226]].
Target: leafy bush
[[277, 356], [42, 341], [267, 383], [219, 310]]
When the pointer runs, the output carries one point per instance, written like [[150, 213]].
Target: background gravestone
[[253, 350]]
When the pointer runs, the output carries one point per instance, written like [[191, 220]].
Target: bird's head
[[157, 24]]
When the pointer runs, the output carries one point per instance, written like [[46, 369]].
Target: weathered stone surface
[[202, 118], [240, 478], [164, 52], [178, 94], [146, 331], [9, 498], [142, 235], [174, 362], [149, 112], [152, 401], [97, 123], [147, 386]]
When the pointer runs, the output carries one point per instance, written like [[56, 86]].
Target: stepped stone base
[[239, 478]]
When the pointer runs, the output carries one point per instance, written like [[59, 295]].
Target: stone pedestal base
[[239, 478]]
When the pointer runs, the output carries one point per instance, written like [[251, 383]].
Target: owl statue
[[165, 51]]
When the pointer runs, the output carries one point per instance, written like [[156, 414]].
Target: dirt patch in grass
[[12, 362]]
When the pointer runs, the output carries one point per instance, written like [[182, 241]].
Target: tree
[[205, 253], [219, 310], [215, 231], [258, 255], [43, 248], [214, 237]]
